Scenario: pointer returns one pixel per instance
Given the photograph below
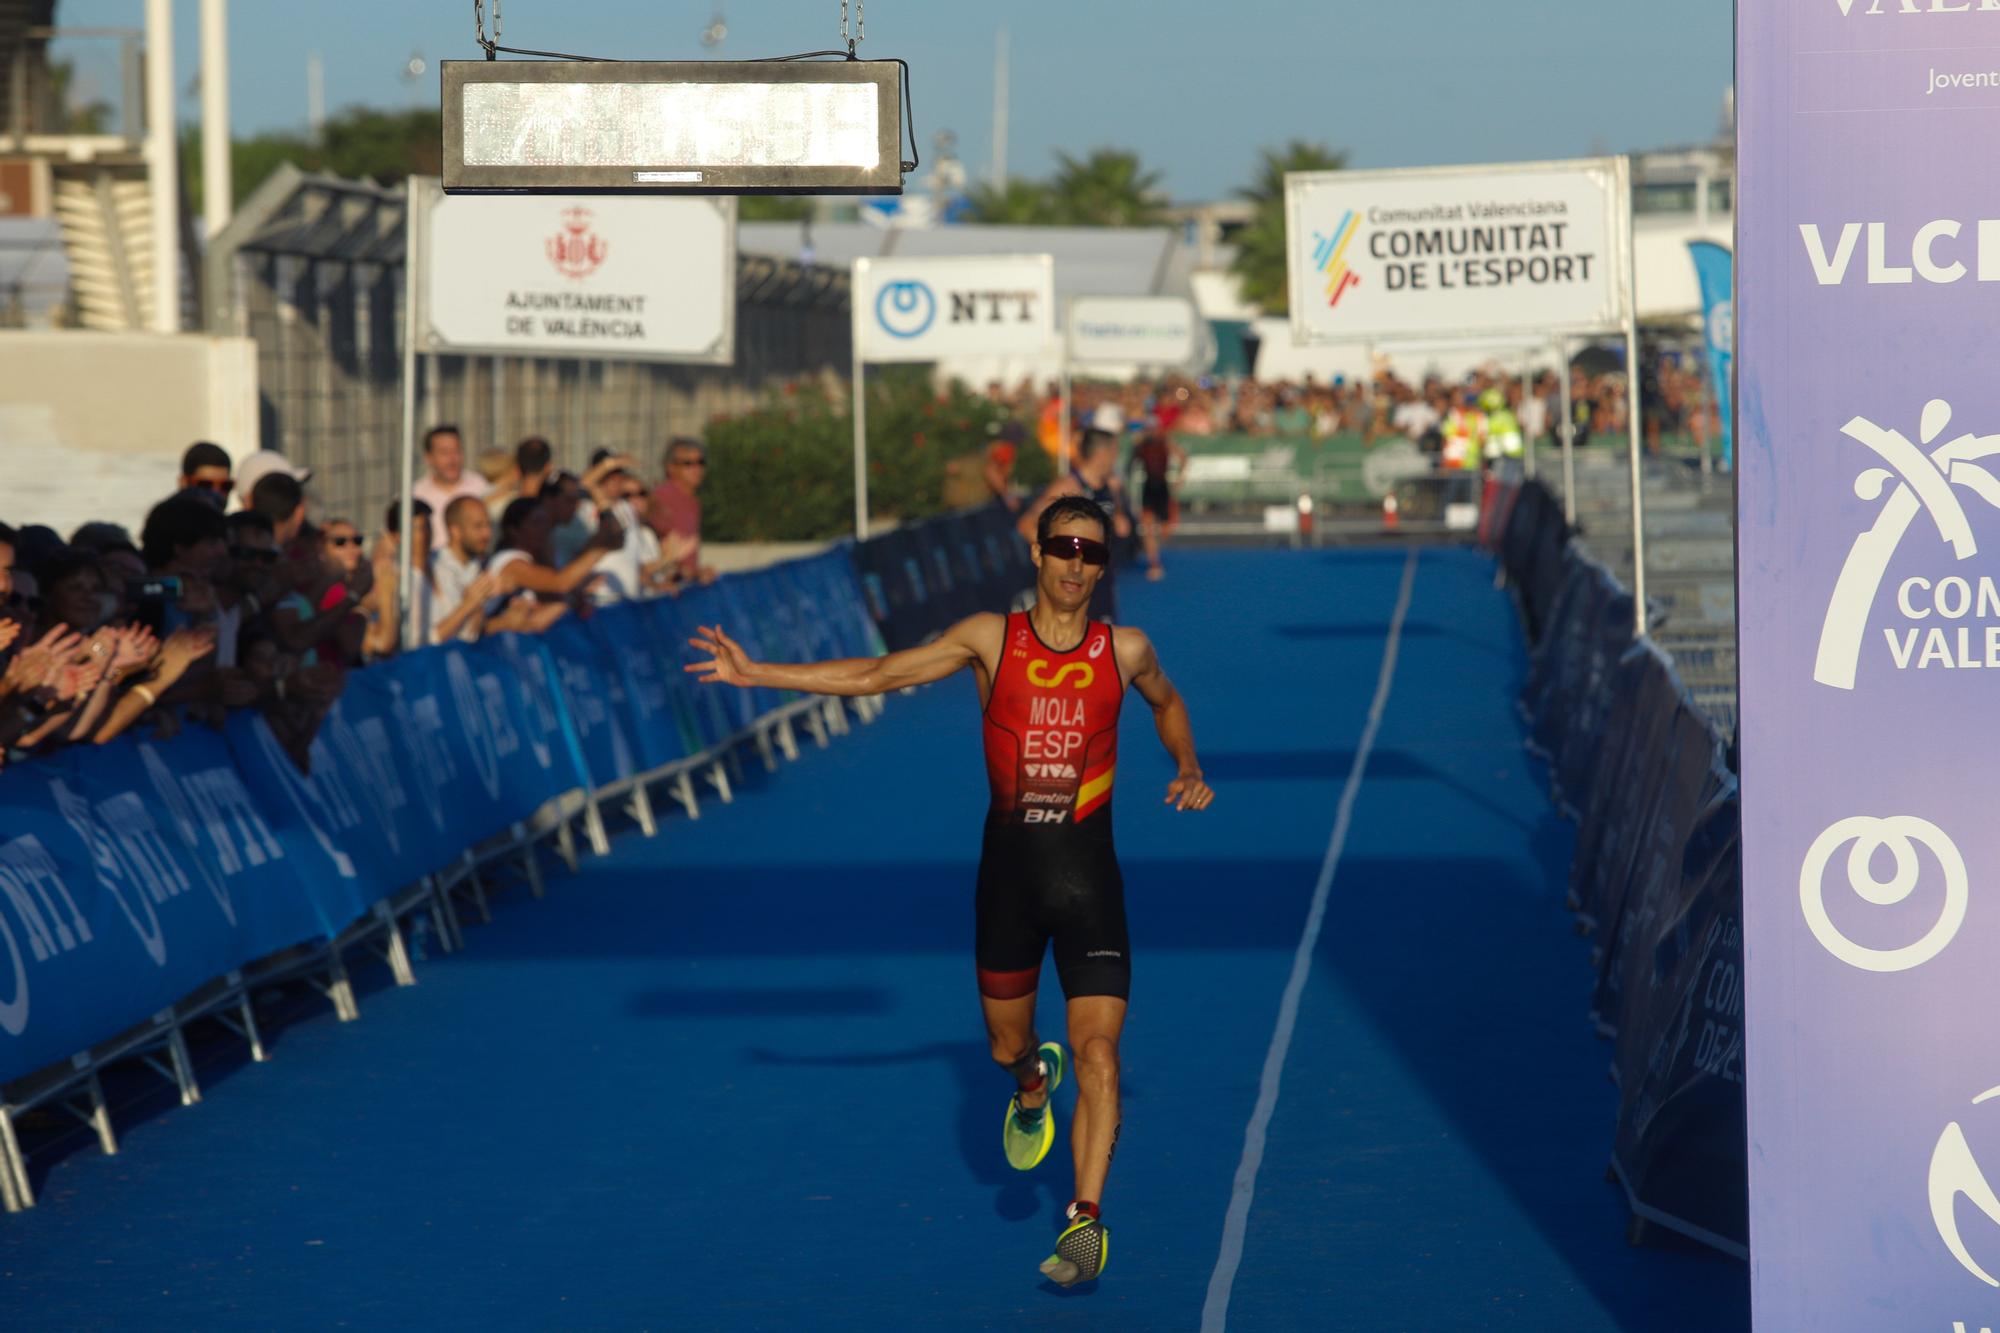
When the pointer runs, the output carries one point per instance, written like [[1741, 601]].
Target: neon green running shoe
[[1025, 1136], [1082, 1252]]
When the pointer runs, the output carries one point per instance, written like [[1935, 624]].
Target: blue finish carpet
[[734, 1077]]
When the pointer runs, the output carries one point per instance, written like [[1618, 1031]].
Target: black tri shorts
[[1039, 885]]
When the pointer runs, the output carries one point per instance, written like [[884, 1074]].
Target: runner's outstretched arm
[[972, 639], [1170, 717]]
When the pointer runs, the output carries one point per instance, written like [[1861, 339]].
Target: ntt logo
[[905, 309]]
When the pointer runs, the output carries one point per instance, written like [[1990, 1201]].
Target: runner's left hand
[[1189, 792]]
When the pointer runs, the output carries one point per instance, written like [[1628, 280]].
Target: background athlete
[[1051, 684]]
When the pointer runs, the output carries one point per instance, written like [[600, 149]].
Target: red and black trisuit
[[1048, 870]]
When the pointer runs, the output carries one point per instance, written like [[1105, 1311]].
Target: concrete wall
[[92, 425]]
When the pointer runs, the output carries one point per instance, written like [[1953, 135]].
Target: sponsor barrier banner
[[1714, 268], [134, 873], [1679, 1148], [1537, 248], [928, 309], [1869, 513], [543, 275], [1654, 877]]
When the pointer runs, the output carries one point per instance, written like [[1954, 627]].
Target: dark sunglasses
[[223, 487], [343, 541], [261, 555], [1077, 548]]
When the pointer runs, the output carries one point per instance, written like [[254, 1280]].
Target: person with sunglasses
[[205, 473], [675, 508], [343, 543], [1051, 683]]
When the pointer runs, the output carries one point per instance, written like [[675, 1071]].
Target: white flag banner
[[545, 275], [935, 308], [1534, 247], [1136, 330]]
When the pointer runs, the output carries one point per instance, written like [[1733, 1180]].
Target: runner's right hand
[[728, 664]]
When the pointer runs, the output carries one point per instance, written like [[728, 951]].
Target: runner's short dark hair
[[1070, 506]]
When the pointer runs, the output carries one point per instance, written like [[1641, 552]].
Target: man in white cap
[[265, 463]]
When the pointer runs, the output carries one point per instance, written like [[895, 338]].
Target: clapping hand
[[39, 665], [184, 648], [135, 647]]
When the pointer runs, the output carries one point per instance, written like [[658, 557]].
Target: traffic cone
[[1389, 511]]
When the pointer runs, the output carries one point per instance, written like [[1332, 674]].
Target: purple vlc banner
[[1868, 440]]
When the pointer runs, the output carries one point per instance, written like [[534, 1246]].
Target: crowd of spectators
[[238, 593], [1673, 389]]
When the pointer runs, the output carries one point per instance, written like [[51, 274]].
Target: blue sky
[[1195, 88]]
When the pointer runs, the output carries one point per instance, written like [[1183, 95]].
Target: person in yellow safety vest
[[1503, 428], [1464, 433]]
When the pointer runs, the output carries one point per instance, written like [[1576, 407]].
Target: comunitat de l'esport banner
[[1869, 509], [1437, 252]]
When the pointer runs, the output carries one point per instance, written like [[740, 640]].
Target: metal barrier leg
[[593, 828], [816, 725], [15, 1193], [249, 1030], [244, 1024], [478, 883], [788, 740], [836, 717], [183, 1066], [397, 950], [764, 749], [566, 843], [531, 863], [99, 1118], [684, 793], [444, 917], [339, 989], [641, 809], [718, 778]]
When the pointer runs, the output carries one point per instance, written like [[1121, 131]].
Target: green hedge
[[785, 472]]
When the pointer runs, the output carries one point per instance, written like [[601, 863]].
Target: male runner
[[1051, 682]]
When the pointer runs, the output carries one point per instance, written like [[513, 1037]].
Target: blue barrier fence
[[1656, 879], [144, 885]]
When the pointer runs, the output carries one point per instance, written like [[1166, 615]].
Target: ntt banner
[[1868, 447], [929, 309], [576, 276], [1539, 248]]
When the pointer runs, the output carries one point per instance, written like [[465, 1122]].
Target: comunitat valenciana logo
[[1956, 1173], [1329, 257], [1945, 621]]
